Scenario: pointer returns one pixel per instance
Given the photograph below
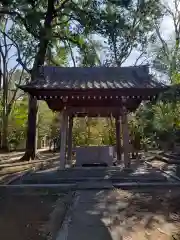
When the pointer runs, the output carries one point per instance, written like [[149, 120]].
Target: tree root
[[28, 156], [4, 150]]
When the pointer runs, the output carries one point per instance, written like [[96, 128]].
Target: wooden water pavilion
[[94, 92]]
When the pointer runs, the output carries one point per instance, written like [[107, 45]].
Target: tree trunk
[[69, 140], [0, 90], [88, 131], [0, 71], [4, 142], [125, 132], [31, 142], [118, 138], [63, 139], [4, 145], [110, 130]]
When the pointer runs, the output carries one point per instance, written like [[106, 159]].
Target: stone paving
[[88, 220], [114, 174]]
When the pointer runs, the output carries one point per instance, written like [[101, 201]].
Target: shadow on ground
[[116, 214], [146, 214]]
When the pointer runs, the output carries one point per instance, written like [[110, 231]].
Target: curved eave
[[37, 92]]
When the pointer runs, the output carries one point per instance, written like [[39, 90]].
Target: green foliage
[[161, 61], [125, 25], [89, 53], [157, 123], [152, 123], [17, 122], [93, 131], [44, 120], [128, 29], [172, 94]]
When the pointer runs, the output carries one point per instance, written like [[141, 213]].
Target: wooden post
[[125, 131], [69, 140], [118, 138], [63, 139]]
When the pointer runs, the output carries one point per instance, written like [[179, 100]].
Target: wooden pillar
[[69, 140], [64, 121], [118, 138], [126, 144]]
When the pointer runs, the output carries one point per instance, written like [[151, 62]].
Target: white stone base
[[94, 155]]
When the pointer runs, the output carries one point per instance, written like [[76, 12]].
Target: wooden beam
[[118, 138], [126, 144], [63, 139], [107, 105], [93, 110], [85, 102], [134, 91], [69, 141]]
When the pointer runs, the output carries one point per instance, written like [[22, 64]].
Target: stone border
[[63, 232]]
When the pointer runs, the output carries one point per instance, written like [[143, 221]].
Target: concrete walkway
[[121, 215], [93, 217]]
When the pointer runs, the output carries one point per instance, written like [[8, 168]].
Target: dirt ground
[[32, 217], [29, 216], [146, 215], [11, 166]]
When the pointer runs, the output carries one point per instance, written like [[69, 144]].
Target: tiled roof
[[93, 78]]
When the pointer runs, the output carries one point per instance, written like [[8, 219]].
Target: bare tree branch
[[4, 39], [3, 45], [137, 60], [164, 44], [15, 92], [1, 52], [126, 53], [22, 19], [20, 96], [14, 99], [143, 62], [9, 46], [71, 53], [19, 60], [12, 72], [11, 58]]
